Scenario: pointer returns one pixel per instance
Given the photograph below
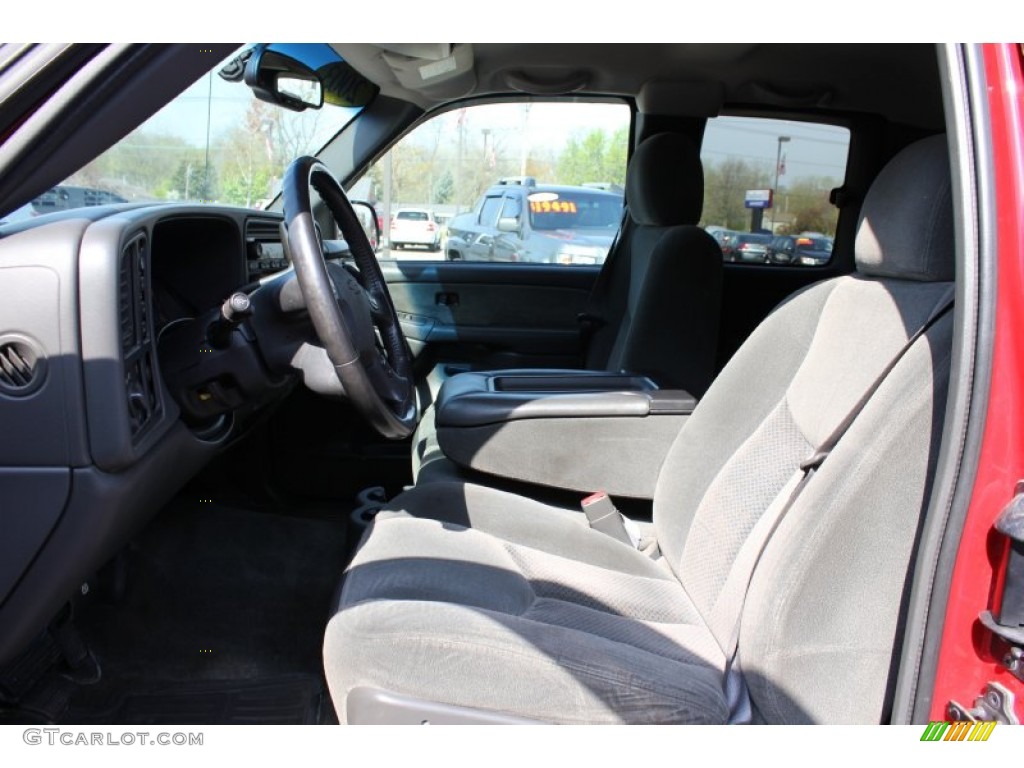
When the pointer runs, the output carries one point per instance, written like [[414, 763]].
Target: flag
[[782, 166]]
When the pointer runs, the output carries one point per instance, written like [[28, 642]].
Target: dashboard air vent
[[21, 367], [125, 303], [262, 229], [136, 338]]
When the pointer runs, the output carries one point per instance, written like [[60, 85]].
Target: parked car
[[747, 247], [813, 249], [782, 249], [175, 497], [64, 197], [520, 220], [414, 226]]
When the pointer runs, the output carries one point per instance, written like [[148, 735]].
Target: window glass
[[478, 167], [513, 208], [772, 177], [489, 212], [574, 210], [215, 142]]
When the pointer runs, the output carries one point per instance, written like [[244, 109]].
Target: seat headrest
[[906, 222], [665, 182]]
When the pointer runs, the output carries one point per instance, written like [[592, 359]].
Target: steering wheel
[[354, 317]]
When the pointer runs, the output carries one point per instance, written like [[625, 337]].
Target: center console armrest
[[671, 401], [579, 430]]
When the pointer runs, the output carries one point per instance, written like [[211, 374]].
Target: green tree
[[246, 158], [595, 156], [444, 190]]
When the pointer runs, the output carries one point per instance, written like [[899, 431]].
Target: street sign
[[758, 198]]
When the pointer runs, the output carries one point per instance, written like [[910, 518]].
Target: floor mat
[[221, 617], [287, 700]]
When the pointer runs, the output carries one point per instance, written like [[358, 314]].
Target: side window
[[460, 166], [766, 189], [490, 210], [512, 209]]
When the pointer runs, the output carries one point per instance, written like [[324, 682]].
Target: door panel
[[490, 315]]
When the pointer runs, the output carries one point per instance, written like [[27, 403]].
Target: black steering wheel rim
[[376, 378]]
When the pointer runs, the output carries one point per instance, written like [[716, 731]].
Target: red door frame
[[968, 656]]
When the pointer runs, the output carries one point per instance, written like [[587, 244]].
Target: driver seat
[[469, 604]]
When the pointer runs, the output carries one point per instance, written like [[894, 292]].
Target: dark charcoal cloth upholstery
[[665, 182], [906, 223]]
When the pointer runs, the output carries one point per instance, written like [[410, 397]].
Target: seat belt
[[591, 319], [725, 618], [603, 516]]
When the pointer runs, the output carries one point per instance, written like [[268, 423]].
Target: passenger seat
[[655, 308]]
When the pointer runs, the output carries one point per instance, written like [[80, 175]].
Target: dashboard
[[95, 441]]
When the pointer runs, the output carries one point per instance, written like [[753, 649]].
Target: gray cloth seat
[[533, 593], [473, 598], [658, 308]]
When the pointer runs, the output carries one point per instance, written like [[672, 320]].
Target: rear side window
[[773, 178]]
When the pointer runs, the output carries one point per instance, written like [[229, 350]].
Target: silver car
[[519, 220]]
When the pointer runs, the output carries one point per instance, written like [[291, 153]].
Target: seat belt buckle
[[603, 516]]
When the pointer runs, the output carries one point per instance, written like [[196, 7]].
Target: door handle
[[446, 298]]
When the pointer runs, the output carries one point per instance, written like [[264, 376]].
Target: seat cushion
[[565, 624]]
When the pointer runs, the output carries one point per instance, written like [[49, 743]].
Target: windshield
[[215, 143], [565, 209]]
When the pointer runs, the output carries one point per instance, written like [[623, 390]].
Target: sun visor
[[438, 71], [691, 99]]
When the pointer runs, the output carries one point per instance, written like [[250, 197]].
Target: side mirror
[[508, 224], [369, 220]]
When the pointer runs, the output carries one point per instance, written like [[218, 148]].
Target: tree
[[444, 190], [807, 201], [595, 156], [247, 157], [142, 166], [193, 180], [725, 187]]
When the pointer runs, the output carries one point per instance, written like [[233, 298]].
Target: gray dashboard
[[92, 444]]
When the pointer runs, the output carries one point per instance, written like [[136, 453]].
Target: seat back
[[661, 308], [821, 618]]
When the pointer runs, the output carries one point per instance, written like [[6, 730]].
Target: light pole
[[775, 189]]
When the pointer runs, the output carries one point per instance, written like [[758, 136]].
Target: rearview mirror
[[300, 76], [304, 91]]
